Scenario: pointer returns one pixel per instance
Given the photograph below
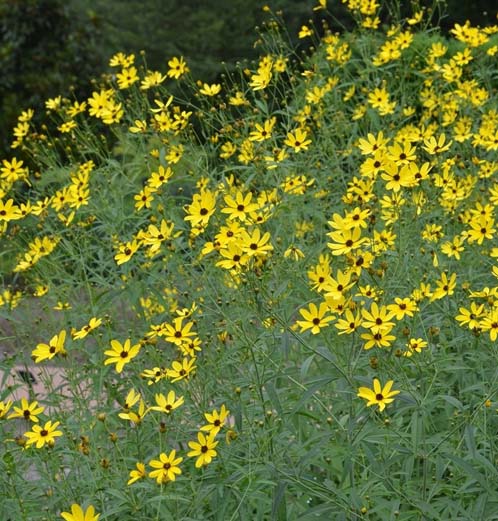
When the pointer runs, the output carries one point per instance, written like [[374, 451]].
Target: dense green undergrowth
[[276, 302]]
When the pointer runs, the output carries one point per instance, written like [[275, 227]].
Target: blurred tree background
[[52, 47]]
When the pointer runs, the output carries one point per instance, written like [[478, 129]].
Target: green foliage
[[45, 49]]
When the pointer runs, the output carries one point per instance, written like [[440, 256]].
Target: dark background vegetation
[[52, 47]]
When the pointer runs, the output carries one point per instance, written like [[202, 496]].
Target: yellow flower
[[4, 408], [177, 67], [203, 449], [210, 90], [28, 411], [121, 354], [43, 435], [380, 396], [167, 467], [78, 514], [305, 31], [54, 347], [83, 332], [138, 473], [315, 318], [167, 404], [216, 420], [126, 252], [296, 139]]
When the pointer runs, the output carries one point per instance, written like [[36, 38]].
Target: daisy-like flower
[[177, 67], [28, 411], [445, 286], [43, 435], [48, 351], [126, 252], [203, 449], [210, 90], [138, 473], [178, 333], [4, 408], [216, 420], [380, 396], [78, 514], [83, 332], [121, 354], [297, 140], [167, 467], [239, 206], [167, 403], [180, 370], [135, 417], [315, 318]]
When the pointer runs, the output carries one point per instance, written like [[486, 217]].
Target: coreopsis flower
[[203, 449], [210, 90], [233, 257], [127, 77], [53, 103], [152, 79], [12, 170], [381, 338], [238, 99], [372, 144], [471, 317], [181, 370], [380, 396], [177, 67], [239, 206], [122, 60], [255, 243], [121, 354], [48, 351], [138, 473], [305, 31], [348, 323], [216, 420], [135, 417], [78, 514], [83, 332], [402, 307], [345, 241], [168, 403], [453, 248], [157, 179], [297, 140], [40, 436], [144, 198], [436, 146], [126, 252], [379, 100], [490, 324], [315, 318], [167, 467], [4, 408], [445, 286], [9, 211], [336, 287], [202, 208], [139, 126], [294, 253], [264, 131], [28, 411], [377, 318], [177, 332], [414, 345]]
